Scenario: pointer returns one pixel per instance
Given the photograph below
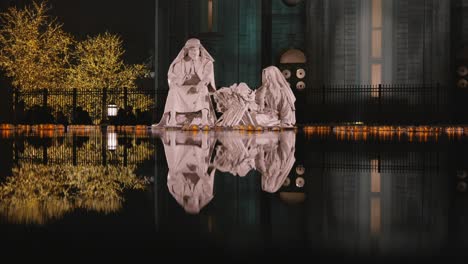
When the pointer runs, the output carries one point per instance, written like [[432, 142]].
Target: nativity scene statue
[[191, 85], [191, 80]]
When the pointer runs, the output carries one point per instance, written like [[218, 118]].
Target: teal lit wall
[[287, 29], [234, 41]]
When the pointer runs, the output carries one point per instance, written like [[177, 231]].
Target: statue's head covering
[[190, 43], [272, 77]]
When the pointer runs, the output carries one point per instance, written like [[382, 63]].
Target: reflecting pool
[[335, 192]]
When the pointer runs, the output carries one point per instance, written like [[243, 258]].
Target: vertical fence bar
[[15, 92], [104, 147], [74, 150], [323, 94], [44, 155], [104, 107], [45, 93], [125, 156], [74, 102], [15, 148], [438, 100], [125, 98], [379, 118]]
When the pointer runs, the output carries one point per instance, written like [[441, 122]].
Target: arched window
[[292, 65], [293, 56]]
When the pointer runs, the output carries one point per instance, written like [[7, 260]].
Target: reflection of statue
[[275, 159], [270, 153], [190, 179], [236, 154], [191, 79], [270, 105]]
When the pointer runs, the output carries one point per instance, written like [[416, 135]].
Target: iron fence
[[402, 104], [408, 103], [91, 106]]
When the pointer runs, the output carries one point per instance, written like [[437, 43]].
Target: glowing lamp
[[112, 109]]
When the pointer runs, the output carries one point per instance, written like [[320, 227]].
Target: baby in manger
[[271, 105]]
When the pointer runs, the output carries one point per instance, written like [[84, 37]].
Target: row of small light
[[386, 130]]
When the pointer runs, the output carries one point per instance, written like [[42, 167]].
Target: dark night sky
[[133, 20]]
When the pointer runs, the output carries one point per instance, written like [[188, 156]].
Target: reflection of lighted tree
[[57, 151], [91, 152], [138, 153], [39, 193]]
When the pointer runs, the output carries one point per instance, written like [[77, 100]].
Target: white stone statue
[[271, 105], [191, 80], [190, 179], [275, 100]]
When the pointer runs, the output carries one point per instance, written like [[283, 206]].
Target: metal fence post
[[75, 98], [45, 159], [125, 156], [380, 102], [323, 93], [15, 92], [125, 98], [45, 93], [104, 147], [438, 99], [74, 150], [104, 108]]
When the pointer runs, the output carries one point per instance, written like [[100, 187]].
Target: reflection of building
[[365, 198], [386, 200]]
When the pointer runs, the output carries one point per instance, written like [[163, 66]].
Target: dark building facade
[[345, 43]]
